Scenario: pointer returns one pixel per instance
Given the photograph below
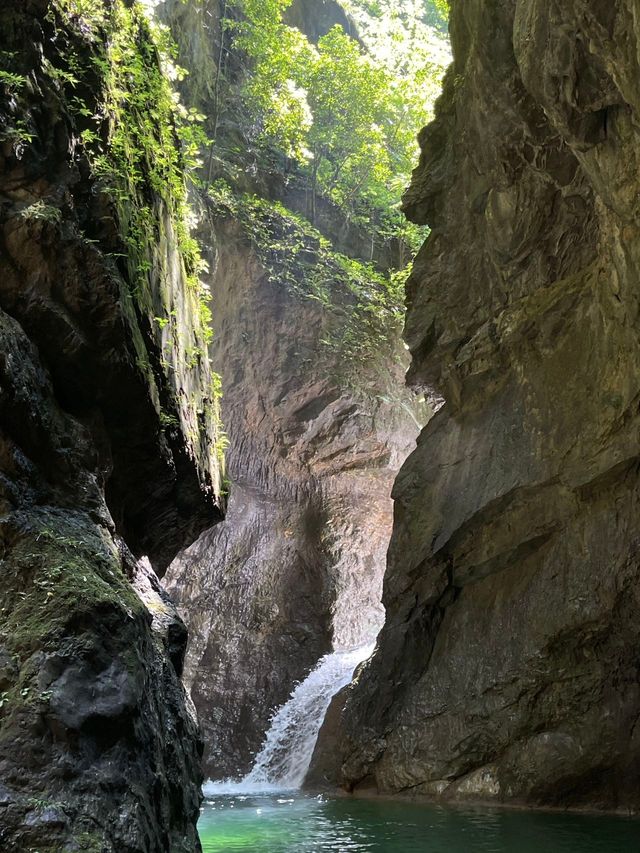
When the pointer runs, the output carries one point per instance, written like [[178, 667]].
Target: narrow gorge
[[317, 417], [319, 446]]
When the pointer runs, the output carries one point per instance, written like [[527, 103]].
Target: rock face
[[297, 566], [508, 665], [315, 18], [105, 449]]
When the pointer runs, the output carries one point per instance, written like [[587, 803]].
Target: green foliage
[[443, 7], [19, 134], [363, 306], [272, 91], [12, 82], [402, 21], [353, 123], [348, 116], [405, 36], [140, 138], [111, 69], [88, 14], [40, 211], [15, 126]]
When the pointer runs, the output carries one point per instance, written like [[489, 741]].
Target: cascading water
[[288, 748], [286, 754]]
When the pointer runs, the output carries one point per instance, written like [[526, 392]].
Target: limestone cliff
[[107, 425], [297, 566], [508, 664], [317, 419]]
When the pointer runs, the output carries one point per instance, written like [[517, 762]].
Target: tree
[[351, 106], [275, 50], [348, 116]]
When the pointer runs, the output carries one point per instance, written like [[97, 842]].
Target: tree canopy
[[346, 113]]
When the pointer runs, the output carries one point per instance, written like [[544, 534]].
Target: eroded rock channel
[[296, 568]]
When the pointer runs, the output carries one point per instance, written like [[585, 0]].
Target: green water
[[293, 823]]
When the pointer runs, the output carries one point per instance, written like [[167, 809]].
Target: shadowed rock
[[508, 665]]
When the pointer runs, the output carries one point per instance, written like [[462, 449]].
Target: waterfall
[[288, 748]]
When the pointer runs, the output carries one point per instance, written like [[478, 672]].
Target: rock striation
[[508, 666], [106, 430]]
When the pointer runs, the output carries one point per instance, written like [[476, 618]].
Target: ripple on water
[[294, 823]]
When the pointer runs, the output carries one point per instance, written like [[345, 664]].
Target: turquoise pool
[[294, 823]]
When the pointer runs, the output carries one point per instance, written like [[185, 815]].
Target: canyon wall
[[108, 427], [297, 566], [314, 407], [507, 669]]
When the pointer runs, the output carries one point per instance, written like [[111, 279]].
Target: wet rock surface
[[101, 464], [508, 665]]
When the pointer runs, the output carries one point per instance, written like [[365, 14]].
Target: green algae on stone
[[141, 144]]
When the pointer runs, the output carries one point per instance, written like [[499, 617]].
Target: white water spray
[[285, 757]]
